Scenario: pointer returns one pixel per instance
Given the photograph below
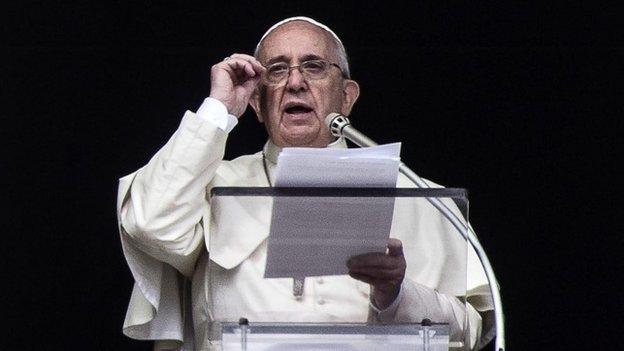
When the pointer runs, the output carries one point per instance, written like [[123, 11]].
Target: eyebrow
[[281, 58], [284, 58]]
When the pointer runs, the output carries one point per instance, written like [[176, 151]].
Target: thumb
[[395, 247]]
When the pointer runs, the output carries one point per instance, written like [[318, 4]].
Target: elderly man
[[298, 76]]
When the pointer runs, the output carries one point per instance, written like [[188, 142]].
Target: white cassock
[[165, 214]]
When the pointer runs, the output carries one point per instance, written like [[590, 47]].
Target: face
[[294, 110]]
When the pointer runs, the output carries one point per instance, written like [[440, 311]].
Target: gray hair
[[343, 60]]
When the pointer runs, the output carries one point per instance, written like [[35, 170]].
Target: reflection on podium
[[335, 312], [334, 337]]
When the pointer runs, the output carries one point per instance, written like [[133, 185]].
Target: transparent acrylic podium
[[253, 304]]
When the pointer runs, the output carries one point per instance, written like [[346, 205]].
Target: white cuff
[[214, 111]]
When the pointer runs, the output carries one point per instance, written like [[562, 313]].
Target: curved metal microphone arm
[[341, 127]]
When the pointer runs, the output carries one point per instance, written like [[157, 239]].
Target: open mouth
[[297, 110]]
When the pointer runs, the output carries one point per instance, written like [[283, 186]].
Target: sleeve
[[417, 302], [214, 111], [160, 209]]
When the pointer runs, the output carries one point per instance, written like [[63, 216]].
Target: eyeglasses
[[311, 70]]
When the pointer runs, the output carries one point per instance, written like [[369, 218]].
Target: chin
[[302, 137]]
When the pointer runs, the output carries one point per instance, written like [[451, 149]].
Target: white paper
[[312, 236], [371, 167]]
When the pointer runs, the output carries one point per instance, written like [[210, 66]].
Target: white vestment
[[164, 215]]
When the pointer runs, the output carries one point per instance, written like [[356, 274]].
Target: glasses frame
[[266, 81]]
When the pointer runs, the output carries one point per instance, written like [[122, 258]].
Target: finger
[[250, 70], [377, 283], [255, 64], [251, 84], [238, 64], [395, 247], [238, 69], [243, 57], [363, 278], [258, 66], [373, 260], [380, 273], [243, 64]]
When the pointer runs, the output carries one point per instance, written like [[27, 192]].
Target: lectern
[[258, 236]]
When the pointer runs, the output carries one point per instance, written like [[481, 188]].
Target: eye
[[277, 69], [314, 66]]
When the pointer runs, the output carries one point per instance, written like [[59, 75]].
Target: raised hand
[[233, 81]]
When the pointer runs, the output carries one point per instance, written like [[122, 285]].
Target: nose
[[296, 81]]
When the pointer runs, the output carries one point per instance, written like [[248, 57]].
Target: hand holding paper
[[384, 272]]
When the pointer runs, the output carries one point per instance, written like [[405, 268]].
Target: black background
[[519, 103]]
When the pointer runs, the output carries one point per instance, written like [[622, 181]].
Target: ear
[[351, 92], [254, 102]]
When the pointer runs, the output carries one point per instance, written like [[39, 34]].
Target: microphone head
[[336, 122]]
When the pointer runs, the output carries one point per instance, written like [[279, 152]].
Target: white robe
[[165, 215]]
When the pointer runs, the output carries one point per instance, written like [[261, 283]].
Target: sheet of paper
[[364, 167], [312, 236]]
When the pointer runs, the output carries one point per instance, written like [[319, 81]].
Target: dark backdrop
[[518, 103]]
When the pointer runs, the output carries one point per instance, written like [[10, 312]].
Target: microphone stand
[[341, 126]]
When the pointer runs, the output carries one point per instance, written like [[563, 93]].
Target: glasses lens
[[276, 72], [314, 69]]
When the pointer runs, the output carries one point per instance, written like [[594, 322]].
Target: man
[[298, 76]]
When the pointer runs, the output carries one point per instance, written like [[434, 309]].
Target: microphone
[[340, 125]]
